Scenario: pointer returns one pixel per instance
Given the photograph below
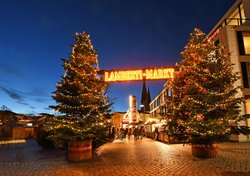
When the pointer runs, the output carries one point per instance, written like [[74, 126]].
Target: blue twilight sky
[[36, 34]]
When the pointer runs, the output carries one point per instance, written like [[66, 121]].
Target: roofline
[[226, 15]]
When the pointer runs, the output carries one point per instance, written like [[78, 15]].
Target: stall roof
[[151, 121]]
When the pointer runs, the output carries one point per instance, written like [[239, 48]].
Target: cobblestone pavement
[[143, 157]]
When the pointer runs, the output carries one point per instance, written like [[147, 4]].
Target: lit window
[[29, 124], [246, 41], [245, 70], [169, 92], [234, 18], [237, 17], [243, 17]]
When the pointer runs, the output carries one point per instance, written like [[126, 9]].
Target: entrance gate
[[138, 74], [162, 73]]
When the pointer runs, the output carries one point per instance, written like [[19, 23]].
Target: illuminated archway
[[160, 73]]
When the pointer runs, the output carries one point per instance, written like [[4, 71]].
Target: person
[[129, 133], [136, 133], [113, 132], [125, 133], [121, 136], [156, 133], [141, 132]]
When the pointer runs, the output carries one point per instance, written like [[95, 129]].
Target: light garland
[[204, 102]]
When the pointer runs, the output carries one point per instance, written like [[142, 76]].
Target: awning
[[151, 121], [136, 123], [125, 122]]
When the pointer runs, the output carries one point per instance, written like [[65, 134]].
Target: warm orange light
[[132, 101], [13, 141], [133, 108], [138, 74], [159, 73], [123, 75], [214, 34]]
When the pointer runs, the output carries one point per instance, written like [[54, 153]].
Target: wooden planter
[[203, 151], [79, 150]]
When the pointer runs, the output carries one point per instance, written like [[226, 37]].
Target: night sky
[[36, 34]]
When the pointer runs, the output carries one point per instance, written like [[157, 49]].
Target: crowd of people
[[138, 132]]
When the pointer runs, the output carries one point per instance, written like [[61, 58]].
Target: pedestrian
[[136, 134], [156, 133], [141, 132], [125, 133], [129, 133], [113, 132], [122, 133]]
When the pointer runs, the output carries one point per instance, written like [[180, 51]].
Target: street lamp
[[142, 106]]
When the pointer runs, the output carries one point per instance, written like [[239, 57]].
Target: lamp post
[[142, 106]]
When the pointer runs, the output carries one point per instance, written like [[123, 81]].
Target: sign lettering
[[138, 74]]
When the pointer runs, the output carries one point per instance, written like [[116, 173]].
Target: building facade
[[159, 106], [233, 32]]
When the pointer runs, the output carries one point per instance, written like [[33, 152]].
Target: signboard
[[133, 109], [125, 119], [138, 74]]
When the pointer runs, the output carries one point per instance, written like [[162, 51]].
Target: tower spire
[[144, 96], [148, 101]]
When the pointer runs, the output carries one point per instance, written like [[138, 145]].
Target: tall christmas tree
[[206, 108], [81, 94]]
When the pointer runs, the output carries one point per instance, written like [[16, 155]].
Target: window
[[244, 42], [234, 18], [237, 17], [158, 101], [247, 103], [151, 106], [245, 69], [242, 14], [217, 42], [169, 92]]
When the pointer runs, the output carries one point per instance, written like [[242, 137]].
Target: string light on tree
[[204, 95], [81, 95]]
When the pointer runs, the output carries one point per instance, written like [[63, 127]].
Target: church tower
[[145, 98]]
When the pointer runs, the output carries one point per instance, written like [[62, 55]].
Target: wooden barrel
[[79, 150], [202, 151]]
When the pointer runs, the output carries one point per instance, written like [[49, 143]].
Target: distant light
[[13, 141], [101, 124], [29, 124], [132, 101]]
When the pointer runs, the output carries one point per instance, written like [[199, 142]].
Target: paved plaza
[[143, 157]]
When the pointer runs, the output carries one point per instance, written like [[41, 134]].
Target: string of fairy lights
[[80, 94], [203, 89]]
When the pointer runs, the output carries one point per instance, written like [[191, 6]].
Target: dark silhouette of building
[[145, 98], [149, 99]]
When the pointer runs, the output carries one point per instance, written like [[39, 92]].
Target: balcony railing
[[235, 22], [229, 22]]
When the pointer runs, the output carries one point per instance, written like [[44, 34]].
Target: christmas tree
[[206, 108], [81, 96]]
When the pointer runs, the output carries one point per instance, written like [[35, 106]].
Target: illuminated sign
[[213, 35], [138, 74], [133, 109]]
